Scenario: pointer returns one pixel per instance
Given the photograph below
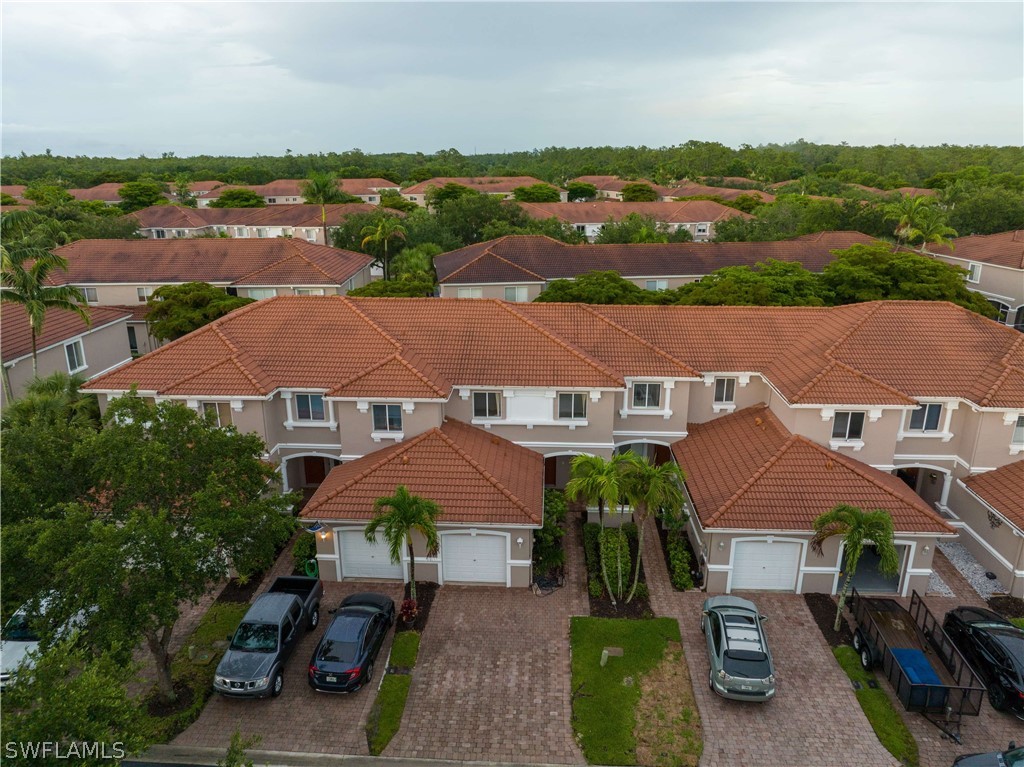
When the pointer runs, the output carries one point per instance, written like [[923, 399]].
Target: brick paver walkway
[[493, 681], [814, 720]]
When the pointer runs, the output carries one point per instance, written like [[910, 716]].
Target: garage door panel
[[361, 559], [473, 558], [766, 566]]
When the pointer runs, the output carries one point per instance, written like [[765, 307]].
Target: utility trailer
[[927, 672]]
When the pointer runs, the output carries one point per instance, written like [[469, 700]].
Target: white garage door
[[766, 566], [360, 559], [473, 558]]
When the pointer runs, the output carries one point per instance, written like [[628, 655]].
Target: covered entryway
[[765, 565], [869, 578], [655, 452], [360, 559], [468, 558]]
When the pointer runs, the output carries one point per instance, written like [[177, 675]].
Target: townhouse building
[[288, 191], [776, 414], [500, 186], [610, 188], [519, 267]]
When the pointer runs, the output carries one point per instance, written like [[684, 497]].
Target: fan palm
[[397, 518], [380, 234], [858, 529]]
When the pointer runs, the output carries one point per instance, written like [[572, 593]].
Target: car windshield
[[746, 663], [18, 630], [255, 637]]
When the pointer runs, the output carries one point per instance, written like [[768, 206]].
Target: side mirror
[[764, 618], [706, 613]]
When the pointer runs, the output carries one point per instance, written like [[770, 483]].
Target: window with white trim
[[143, 294], [309, 291], [261, 293], [926, 418], [725, 391], [220, 412], [387, 418], [133, 341], [1002, 310], [1018, 431], [261, 232], [516, 293], [90, 295], [848, 425], [159, 234], [76, 355], [240, 231], [179, 232], [656, 285], [470, 293], [572, 405], [311, 235], [271, 201], [486, 404], [310, 407], [702, 228], [974, 272], [646, 395]]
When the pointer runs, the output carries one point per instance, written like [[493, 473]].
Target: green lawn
[[605, 699], [1019, 622], [386, 715], [405, 649], [884, 718]]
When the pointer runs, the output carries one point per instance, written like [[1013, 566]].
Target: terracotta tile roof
[[916, 191], [474, 476], [690, 212], [497, 260], [1003, 249], [730, 181], [58, 325], [365, 186], [282, 187], [220, 260], [297, 215], [485, 184], [103, 192], [204, 186], [14, 190], [694, 190], [747, 471], [1003, 490], [174, 217], [615, 184], [138, 312]]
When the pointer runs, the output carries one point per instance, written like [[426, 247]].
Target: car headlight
[[261, 683], [723, 676], [220, 681], [770, 679]]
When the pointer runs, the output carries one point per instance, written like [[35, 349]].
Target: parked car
[[20, 637], [741, 664], [343, 660], [253, 666], [995, 648], [1011, 757]]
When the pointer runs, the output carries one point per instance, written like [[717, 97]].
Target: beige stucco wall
[[999, 282], [998, 547], [655, 427], [702, 398], [533, 290]]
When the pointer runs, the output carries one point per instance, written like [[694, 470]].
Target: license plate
[[746, 687], [331, 678]]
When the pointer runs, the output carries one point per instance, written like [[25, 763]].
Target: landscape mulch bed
[[640, 607], [1011, 607], [240, 592], [425, 593], [823, 608], [184, 697], [695, 573]]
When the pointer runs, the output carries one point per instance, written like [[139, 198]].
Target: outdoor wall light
[[721, 544], [519, 541]]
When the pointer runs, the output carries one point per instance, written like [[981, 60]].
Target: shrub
[[679, 561], [591, 547], [629, 528], [616, 560], [303, 551], [642, 592], [548, 553], [594, 587]]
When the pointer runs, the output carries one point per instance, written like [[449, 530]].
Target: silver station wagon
[[741, 664]]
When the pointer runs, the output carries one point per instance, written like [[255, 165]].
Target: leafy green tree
[[468, 217], [858, 529], [988, 211], [417, 261], [56, 398], [647, 489], [47, 194], [437, 196], [402, 286], [397, 517], [772, 283], [380, 234], [639, 192], [183, 191], [553, 227], [175, 503], [594, 288], [72, 699], [637, 228], [536, 193], [389, 198], [176, 310], [6, 199], [238, 198], [136, 195], [580, 191]]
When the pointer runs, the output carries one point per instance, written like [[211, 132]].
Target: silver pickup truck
[[253, 666]]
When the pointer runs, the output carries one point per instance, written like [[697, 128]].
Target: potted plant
[[408, 611]]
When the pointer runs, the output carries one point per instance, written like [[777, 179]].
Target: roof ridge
[[512, 264], [734, 498], [872, 310], [572, 348], [396, 356], [363, 316], [643, 341], [832, 365], [236, 353], [1007, 369], [466, 265]]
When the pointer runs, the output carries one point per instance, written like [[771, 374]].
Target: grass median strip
[[884, 718], [386, 715]]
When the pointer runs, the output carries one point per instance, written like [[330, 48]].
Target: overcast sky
[[246, 78]]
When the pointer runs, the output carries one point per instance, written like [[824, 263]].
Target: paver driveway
[[300, 719], [814, 720]]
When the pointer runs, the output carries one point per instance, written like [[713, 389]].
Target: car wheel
[[858, 640], [711, 681], [276, 685], [314, 618], [369, 673], [865, 658], [702, 629], [997, 697]]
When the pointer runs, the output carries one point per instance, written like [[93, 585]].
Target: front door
[[315, 469]]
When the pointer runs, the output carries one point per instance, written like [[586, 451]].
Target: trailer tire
[[858, 640], [866, 659]]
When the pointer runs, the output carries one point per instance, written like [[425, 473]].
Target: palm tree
[[398, 517], [648, 488], [858, 528], [385, 230], [931, 227], [54, 399], [24, 273], [906, 212], [321, 189]]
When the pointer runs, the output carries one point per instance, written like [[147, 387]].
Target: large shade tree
[[396, 518], [176, 310]]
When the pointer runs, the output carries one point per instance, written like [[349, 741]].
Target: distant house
[[995, 268], [105, 193], [519, 267], [17, 191], [726, 193], [288, 191], [67, 345], [502, 186], [696, 216]]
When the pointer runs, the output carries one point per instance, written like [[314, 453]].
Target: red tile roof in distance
[[103, 192], [297, 215], [220, 260], [1003, 490], [615, 184], [599, 211], [484, 184], [694, 190], [747, 471], [59, 325], [1002, 249], [474, 476], [500, 260]]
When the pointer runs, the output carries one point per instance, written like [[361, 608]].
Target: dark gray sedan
[[343, 660], [741, 664]]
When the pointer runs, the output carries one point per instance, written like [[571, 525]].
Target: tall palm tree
[[648, 488], [398, 517], [321, 189], [906, 212], [858, 529], [931, 227], [23, 276], [386, 229]]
